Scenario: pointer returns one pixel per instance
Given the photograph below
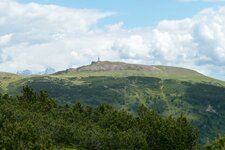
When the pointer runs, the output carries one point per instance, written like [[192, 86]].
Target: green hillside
[[167, 90]]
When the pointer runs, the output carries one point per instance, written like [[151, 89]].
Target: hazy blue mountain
[[24, 72], [49, 71]]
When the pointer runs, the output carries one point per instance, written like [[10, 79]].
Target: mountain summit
[[134, 69], [116, 66]]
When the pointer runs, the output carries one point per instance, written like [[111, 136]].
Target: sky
[[38, 34], [136, 13]]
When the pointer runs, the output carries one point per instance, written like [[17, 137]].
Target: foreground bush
[[34, 121]]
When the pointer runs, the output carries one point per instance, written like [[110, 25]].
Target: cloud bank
[[35, 37]]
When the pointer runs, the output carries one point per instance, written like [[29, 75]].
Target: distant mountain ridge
[[27, 72], [24, 72]]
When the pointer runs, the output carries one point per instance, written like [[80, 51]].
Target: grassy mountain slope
[[6, 79], [168, 90]]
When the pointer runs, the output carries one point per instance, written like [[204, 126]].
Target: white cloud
[[4, 39], [115, 27], [41, 34], [44, 21], [35, 36]]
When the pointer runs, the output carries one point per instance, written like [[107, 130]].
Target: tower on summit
[[94, 62]]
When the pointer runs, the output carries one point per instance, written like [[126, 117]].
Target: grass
[[182, 75]]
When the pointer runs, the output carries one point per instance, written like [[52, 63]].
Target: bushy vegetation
[[217, 144], [34, 121]]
